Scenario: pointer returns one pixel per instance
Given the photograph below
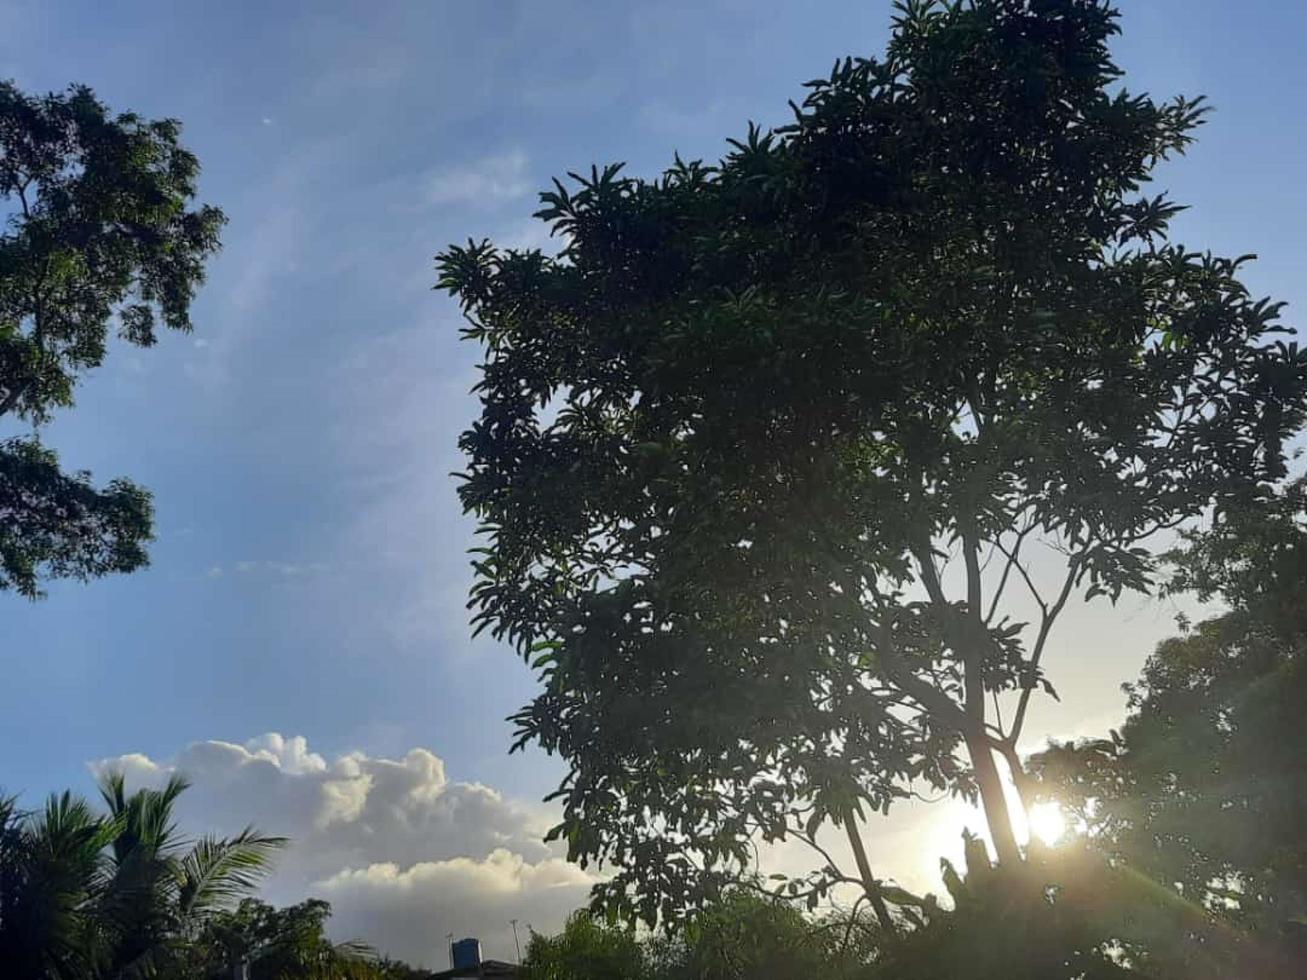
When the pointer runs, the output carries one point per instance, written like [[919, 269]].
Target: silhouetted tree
[[1064, 914], [98, 231], [1204, 789], [743, 936], [52, 874], [586, 949], [282, 944], [732, 435]]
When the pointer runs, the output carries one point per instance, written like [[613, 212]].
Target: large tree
[[764, 450], [99, 231]]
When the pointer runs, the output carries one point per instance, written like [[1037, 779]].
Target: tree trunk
[[1021, 781], [997, 815], [869, 883], [976, 644]]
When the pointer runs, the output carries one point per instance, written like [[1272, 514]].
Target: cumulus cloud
[[463, 896], [490, 180], [403, 853]]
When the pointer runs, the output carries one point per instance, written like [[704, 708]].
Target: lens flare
[[1047, 822]]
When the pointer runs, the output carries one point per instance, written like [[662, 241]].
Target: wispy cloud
[[403, 400], [284, 569], [488, 181], [528, 234]]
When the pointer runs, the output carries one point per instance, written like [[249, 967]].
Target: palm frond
[[10, 815], [217, 872], [146, 815], [112, 784], [52, 873]]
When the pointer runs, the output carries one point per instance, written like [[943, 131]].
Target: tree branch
[[1014, 562], [13, 396], [930, 698], [930, 574], [971, 652], [1012, 558], [1047, 617]]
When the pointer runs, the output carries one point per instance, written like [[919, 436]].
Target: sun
[[1047, 822]]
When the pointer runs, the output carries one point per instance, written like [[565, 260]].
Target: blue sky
[[310, 568]]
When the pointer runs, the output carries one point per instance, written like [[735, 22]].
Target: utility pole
[[515, 942]]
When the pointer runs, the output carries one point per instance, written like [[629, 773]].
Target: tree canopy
[[99, 231], [763, 450], [284, 944]]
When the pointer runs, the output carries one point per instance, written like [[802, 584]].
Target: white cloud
[[284, 569], [528, 234], [262, 251], [488, 181], [403, 853], [266, 246], [463, 896], [397, 438]]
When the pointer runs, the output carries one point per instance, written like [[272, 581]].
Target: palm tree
[[118, 896], [161, 887], [51, 877]]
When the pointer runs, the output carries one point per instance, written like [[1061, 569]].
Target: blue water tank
[[466, 954]]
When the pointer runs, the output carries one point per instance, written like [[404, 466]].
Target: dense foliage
[[285, 944], [585, 948], [759, 452], [1204, 788], [1064, 914], [98, 231], [741, 937]]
